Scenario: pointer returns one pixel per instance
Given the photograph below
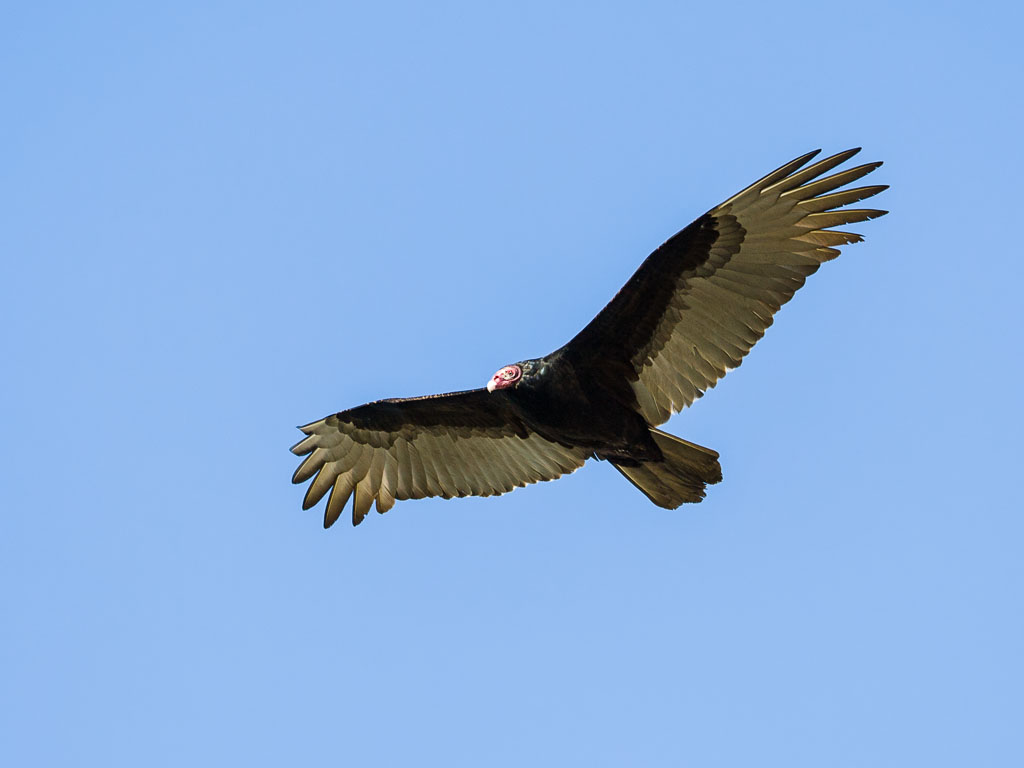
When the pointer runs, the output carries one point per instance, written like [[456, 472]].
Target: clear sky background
[[220, 220]]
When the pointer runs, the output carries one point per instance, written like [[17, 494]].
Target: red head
[[505, 378]]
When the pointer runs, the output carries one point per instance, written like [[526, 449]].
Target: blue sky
[[221, 220]]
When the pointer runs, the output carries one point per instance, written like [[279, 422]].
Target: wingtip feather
[[361, 503], [340, 493], [775, 176]]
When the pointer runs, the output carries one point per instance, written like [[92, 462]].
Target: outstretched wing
[[698, 304], [461, 444]]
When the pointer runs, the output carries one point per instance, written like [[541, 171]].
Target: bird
[[690, 313]]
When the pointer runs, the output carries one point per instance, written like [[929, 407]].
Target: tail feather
[[686, 470]]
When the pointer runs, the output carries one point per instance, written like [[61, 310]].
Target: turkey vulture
[[691, 312]]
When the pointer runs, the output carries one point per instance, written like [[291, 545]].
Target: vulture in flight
[[691, 312]]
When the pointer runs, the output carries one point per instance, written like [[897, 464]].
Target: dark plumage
[[690, 313]]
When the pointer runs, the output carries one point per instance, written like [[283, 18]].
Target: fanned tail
[[680, 478]]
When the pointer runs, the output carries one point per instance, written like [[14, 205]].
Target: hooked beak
[[491, 385]]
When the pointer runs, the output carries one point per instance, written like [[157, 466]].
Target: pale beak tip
[[490, 385]]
